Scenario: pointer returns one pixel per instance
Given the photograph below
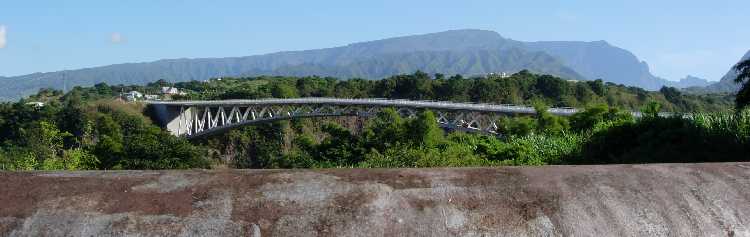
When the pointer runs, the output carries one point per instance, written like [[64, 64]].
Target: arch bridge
[[194, 119]]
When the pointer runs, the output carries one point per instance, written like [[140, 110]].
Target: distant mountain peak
[[452, 40], [727, 84], [690, 81], [601, 43], [747, 55], [467, 31]]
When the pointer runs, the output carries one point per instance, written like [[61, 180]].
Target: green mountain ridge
[[466, 52], [469, 62]]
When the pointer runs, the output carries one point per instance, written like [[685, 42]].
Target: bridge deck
[[197, 118], [442, 105]]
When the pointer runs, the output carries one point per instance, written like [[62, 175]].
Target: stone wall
[[618, 200]]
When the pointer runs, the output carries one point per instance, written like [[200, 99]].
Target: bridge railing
[[500, 108]]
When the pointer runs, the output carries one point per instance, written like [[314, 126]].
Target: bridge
[[194, 119]]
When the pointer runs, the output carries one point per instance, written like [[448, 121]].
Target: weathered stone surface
[[618, 200]]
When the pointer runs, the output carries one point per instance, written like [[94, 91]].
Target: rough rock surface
[[618, 200]]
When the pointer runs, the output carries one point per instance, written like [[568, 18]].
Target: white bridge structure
[[194, 119]]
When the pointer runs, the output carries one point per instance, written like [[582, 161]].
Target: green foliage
[[338, 149], [153, 148], [651, 109], [589, 117], [18, 160], [518, 126], [598, 87], [74, 134], [394, 157], [542, 149], [389, 140], [251, 146], [78, 158], [385, 130], [280, 90], [73, 159], [736, 125], [743, 96], [406, 156], [597, 114], [453, 155], [520, 88], [86, 129], [548, 123], [424, 130], [743, 76], [707, 138]]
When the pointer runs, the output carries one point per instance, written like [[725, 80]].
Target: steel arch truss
[[199, 120]]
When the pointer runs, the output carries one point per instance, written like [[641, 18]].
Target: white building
[[36, 104], [136, 94], [151, 97], [132, 96], [500, 74], [171, 91]]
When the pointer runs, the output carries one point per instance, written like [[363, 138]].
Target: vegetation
[[87, 129], [598, 136], [743, 76], [70, 133], [520, 88]]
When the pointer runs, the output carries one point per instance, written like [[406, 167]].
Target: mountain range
[[467, 52], [691, 81], [727, 84]]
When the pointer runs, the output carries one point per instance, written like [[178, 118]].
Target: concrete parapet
[[617, 200]]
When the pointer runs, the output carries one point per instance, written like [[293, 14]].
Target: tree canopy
[[743, 77], [90, 128]]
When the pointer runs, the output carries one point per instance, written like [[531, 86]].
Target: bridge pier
[[168, 117]]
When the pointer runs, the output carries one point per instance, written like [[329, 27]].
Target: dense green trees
[[596, 114], [743, 76], [70, 133], [86, 129], [598, 136], [520, 88], [705, 138]]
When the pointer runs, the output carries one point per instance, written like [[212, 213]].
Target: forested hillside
[[88, 128]]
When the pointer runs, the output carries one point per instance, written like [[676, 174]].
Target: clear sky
[[701, 38]]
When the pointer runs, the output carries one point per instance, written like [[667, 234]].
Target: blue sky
[[676, 38]]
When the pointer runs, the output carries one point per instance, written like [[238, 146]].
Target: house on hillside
[[132, 96], [500, 74], [171, 91], [151, 97], [36, 104]]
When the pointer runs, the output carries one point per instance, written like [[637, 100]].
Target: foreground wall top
[[619, 200]]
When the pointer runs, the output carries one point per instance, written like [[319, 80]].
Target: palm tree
[[743, 76]]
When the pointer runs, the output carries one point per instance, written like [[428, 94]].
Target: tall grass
[[736, 124], [543, 149]]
